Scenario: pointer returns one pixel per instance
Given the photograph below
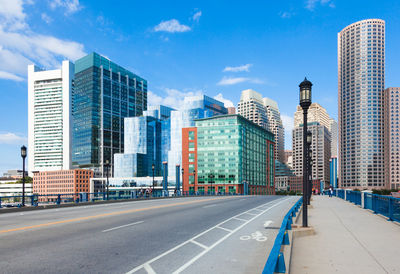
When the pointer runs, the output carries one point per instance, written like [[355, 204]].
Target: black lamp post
[[152, 168], [194, 174], [305, 102], [211, 176], [183, 173], [107, 165], [23, 155]]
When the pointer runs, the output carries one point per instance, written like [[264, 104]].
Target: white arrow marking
[[267, 223]]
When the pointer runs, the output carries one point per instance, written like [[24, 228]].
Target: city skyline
[[171, 37]]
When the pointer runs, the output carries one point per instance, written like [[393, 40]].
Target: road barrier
[[276, 261], [387, 206]]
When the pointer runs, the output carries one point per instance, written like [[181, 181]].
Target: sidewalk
[[347, 239]]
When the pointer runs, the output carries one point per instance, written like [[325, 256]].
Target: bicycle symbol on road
[[258, 236]]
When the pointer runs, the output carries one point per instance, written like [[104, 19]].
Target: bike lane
[[248, 248]]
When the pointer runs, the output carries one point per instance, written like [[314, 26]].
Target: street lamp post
[[23, 155], [194, 172], [152, 168], [107, 165], [305, 102], [183, 173]]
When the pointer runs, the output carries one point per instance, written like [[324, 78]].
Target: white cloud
[[173, 97], [12, 15], [20, 46], [172, 26], [286, 14], [226, 81], [227, 102], [310, 4], [10, 76], [46, 18], [71, 6], [238, 68], [288, 124], [196, 16], [11, 138]]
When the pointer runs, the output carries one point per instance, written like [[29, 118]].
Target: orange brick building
[[62, 181]]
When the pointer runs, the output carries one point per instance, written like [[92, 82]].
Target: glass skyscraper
[[361, 80], [142, 148], [223, 152], [195, 107], [105, 93]]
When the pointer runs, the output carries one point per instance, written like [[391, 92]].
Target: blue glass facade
[[193, 108], [104, 95], [142, 148], [333, 172]]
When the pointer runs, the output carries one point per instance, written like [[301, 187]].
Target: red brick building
[[62, 182]]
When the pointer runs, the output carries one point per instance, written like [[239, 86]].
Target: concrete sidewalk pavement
[[347, 239]]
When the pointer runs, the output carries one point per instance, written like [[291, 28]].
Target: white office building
[[50, 117]]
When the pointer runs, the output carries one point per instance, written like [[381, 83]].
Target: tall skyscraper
[[361, 81], [265, 113], [334, 134], [276, 127], [105, 94], [392, 131], [195, 107], [251, 107], [316, 113], [50, 104], [321, 151]]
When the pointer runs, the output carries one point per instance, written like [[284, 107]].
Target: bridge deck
[[348, 239]]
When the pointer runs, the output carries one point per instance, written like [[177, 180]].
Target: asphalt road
[[186, 235]]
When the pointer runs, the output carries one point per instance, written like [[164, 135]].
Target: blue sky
[[217, 48]]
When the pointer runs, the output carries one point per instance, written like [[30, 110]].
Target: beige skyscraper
[[392, 132], [361, 81], [264, 112]]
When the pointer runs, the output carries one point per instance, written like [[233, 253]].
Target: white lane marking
[[223, 228], [21, 214], [149, 269], [179, 270], [199, 244], [208, 206], [267, 223], [250, 213], [202, 233], [114, 228], [239, 219], [258, 236]]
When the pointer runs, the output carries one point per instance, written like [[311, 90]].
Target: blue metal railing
[[387, 206], [276, 261], [45, 199]]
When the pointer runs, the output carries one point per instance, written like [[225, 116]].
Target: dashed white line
[[149, 269], [114, 228], [223, 228], [199, 244], [206, 249], [239, 219]]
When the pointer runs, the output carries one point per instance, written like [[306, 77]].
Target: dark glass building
[[105, 93]]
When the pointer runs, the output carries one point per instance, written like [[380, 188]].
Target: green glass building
[[105, 93], [226, 153]]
